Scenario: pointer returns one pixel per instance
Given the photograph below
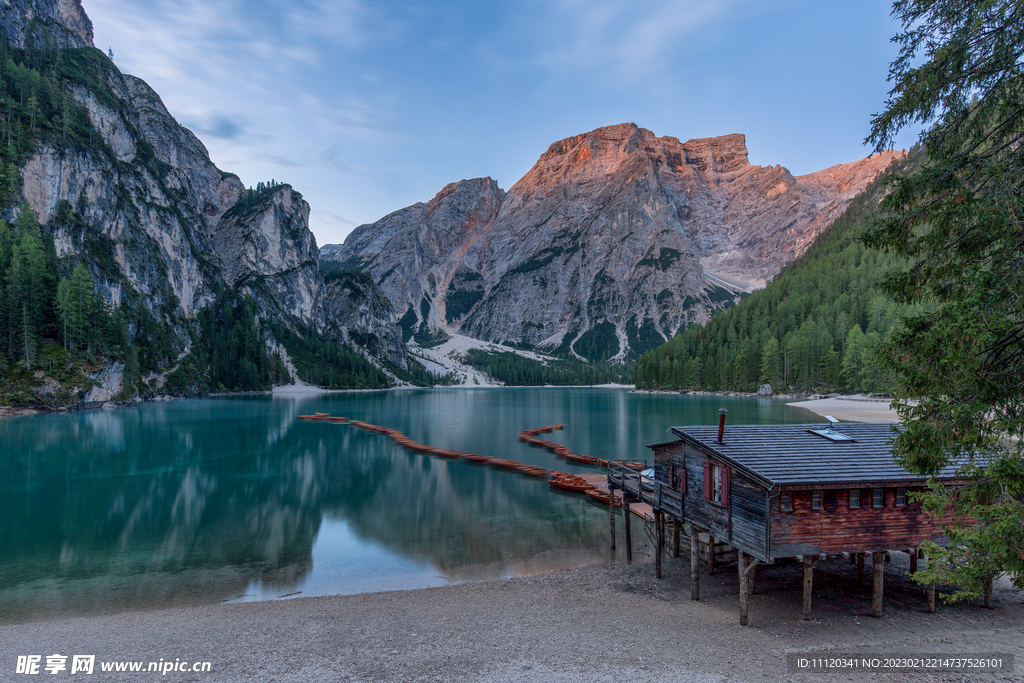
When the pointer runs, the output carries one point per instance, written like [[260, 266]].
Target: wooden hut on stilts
[[784, 491]]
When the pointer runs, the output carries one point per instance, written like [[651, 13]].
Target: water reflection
[[220, 499]]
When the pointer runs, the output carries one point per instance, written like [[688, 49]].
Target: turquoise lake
[[234, 499]]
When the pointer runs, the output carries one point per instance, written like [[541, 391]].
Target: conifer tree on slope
[[958, 218]]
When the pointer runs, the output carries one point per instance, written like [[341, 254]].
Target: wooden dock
[[600, 481]]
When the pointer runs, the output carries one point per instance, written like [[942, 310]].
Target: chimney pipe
[[721, 423]]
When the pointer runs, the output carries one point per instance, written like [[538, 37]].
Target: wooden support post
[[711, 555], [931, 598], [988, 592], [878, 567], [627, 522], [675, 538], [694, 565], [744, 591], [751, 576], [611, 510], [659, 534], [913, 560], [860, 566], [808, 585]]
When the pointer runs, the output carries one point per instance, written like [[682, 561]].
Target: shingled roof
[[792, 454]]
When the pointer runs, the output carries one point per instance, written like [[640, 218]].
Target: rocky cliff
[[612, 242], [43, 23], [160, 228]]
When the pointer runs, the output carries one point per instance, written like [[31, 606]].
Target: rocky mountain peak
[[461, 190], [636, 150], [611, 243], [37, 23], [723, 154]]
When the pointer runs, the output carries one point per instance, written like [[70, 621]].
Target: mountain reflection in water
[[206, 500]]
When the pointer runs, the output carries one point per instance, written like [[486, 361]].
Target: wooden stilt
[[675, 538], [744, 590], [627, 522], [611, 511], [711, 555], [878, 568], [988, 592], [659, 535], [931, 586], [808, 585], [913, 560], [694, 565], [860, 566]]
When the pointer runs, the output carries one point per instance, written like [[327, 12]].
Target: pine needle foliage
[[958, 221]]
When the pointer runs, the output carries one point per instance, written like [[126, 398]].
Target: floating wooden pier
[[595, 485]]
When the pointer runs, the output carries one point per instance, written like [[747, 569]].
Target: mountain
[[614, 241], [191, 272], [814, 327]]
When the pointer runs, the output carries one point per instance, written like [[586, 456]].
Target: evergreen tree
[[959, 218], [26, 296], [770, 360], [6, 247], [77, 309]]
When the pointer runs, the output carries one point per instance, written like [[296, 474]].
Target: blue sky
[[369, 106]]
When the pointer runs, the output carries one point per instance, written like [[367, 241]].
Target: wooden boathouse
[[771, 492]]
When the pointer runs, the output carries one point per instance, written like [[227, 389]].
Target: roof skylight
[[831, 435]]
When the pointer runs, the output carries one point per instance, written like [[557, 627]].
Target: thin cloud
[[224, 128], [279, 161], [602, 36]]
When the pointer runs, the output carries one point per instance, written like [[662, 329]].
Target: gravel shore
[[612, 624], [854, 408]]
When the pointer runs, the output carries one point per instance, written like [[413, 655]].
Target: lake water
[[234, 499]]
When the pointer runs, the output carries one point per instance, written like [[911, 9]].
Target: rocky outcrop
[[267, 250], [422, 250], [612, 242], [46, 23], [368, 316]]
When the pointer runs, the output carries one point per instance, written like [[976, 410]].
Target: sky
[[369, 106]]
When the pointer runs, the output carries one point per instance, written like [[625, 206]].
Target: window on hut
[[854, 499], [878, 498], [786, 502], [716, 483], [815, 500], [901, 497]]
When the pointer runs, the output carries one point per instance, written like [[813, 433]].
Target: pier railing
[[644, 489]]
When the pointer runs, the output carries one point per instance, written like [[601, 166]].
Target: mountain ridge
[[617, 233]]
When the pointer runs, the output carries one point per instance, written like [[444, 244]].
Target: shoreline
[[284, 391], [609, 624], [853, 408]]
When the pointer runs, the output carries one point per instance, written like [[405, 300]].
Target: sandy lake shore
[[852, 408], [612, 624]]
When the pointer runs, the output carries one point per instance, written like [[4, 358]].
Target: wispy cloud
[[613, 38]]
